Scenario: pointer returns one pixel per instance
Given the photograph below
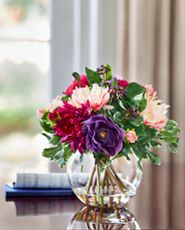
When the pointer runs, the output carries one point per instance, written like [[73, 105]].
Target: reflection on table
[[36, 206], [95, 219], [85, 218]]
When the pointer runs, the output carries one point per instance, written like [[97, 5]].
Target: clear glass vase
[[101, 184], [95, 218]]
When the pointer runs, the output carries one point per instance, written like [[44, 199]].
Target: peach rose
[[131, 136]]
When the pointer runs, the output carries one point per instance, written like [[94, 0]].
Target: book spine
[[36, 180]]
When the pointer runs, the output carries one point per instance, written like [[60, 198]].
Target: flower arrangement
[[108, 117]]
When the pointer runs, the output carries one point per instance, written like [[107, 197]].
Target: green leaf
[[118, 117], [170, 139], [76, 76], [126, 151], [55, 140], [100, 156], [172, 127], [65, 98], [63, 155], [143, 104], [155, 159], [140, 150], [134, 89], [140, 165], [149, 135], [47, 136], [155, 144], [93, 76], [136, 121], [108, 74], [50, 152], [172, 147], [121, 104], [131, 102], [169, 135], [140, 131], [115, 82], [46, 126]]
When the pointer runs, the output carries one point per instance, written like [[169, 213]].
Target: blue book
[[11, 191]]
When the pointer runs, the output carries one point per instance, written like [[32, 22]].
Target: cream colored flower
[[56, 103], [155, 112], [40, 113], [98, 97]]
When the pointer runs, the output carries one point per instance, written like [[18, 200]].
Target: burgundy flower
[[102, 135], [76, 84], [68, 124], [122, 83]]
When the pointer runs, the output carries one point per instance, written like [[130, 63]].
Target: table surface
[[158, 204]]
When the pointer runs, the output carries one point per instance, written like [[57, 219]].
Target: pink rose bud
[[40, 113], [131, 136]]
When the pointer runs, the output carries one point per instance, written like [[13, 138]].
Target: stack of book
[[34, 184]]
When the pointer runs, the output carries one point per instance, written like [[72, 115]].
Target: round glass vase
[[103, 185]]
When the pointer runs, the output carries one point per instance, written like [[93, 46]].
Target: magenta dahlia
[[68, 124]]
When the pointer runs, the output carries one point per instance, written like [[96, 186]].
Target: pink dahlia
[[155, 113], [75, 84], [68, 124]]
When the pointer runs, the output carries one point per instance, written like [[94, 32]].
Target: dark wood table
[[159, 204]]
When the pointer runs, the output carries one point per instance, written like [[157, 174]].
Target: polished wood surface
[[159, 204]]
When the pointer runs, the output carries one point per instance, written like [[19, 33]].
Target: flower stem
[[90, 180], [118, 179], [98, 178], [98, 186]]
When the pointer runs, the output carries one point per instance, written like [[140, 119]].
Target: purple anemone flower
[[102, 135]]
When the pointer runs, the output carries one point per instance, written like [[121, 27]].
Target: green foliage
[[65, 98], [135, 96], [155, 159], [51, 152], [108, 73], [62, 157], [134, 89], [100, 157], [169, 135], [76, 76], [148, 138], [149, 135], [143, 104], [60, 153], [93, 76], [46, 126], [115, 82], [136, 121], [118, 117]]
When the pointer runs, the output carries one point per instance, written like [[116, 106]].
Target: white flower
[[57, 102], [98, 97]]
